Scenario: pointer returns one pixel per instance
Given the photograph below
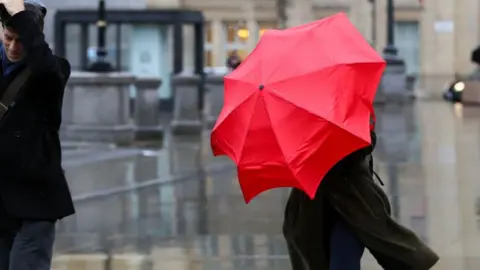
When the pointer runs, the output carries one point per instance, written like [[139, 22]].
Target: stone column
[[360, 14], [147, 109], [218, 43], [213, 98], [299, 12], [96, 108], [251, 24], [438, 45], [381, 25], [186, 116]]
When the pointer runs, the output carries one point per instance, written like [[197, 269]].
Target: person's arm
[[39, 56]]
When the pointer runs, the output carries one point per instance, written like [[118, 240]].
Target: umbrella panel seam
[[294, 174]]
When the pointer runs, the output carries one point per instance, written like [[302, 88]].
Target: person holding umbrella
[[350, 212], [299, 113]]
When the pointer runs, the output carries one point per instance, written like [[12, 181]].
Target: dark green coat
[[365, 208]]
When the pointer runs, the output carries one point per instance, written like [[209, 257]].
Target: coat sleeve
[[39, 56]]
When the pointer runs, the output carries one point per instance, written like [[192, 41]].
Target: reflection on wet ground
[[180, 208]]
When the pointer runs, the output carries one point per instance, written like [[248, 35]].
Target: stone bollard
[[79, 262], [213, 98], [186, 116], [96, 108], [147, 110], [393, 86]]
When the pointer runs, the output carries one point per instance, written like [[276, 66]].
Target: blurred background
[[146, 90]]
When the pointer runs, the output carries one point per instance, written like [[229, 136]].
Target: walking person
[[233, 61], [33, 190], [350, 212]]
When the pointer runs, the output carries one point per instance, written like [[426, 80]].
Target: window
[[264, 26], [407, 36], [110, 40], [236, 36], [73, 46], [208, 47]]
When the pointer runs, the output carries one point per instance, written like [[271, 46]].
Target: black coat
[[32, 181], [349, 192]]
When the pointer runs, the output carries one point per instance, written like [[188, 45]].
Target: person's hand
[[13, 6]]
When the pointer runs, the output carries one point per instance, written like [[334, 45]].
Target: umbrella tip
[[260, 87]]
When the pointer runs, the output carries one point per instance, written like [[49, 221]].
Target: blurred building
[[434, 37]]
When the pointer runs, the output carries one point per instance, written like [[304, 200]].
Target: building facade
[[435, 37]]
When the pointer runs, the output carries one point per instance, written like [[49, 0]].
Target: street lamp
[[101, 64], [373, 15], [390, 50], [394, 82]]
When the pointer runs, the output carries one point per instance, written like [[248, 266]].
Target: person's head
[[10, 39]]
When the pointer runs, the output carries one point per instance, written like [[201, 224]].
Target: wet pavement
[[180, 208]]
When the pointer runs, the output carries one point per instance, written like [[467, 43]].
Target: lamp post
[[373, 15], [390, 50], [101, 64], [394, 81]]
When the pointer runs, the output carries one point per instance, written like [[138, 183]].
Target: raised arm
[[38, 54]]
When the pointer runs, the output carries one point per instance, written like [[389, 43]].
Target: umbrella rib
[[243, 101], [287, 78], [275, 93], [276, 139], [248, 125]]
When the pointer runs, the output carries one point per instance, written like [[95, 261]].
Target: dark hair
[[39, 15]]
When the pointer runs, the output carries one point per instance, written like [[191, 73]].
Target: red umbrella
[[299, 103]]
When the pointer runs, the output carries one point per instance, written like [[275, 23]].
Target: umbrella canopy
[[299, 103]]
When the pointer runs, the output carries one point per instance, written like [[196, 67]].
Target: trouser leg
[[33, 246], [346, 250], [5, 247]]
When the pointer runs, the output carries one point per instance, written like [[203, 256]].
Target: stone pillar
[[147, 110], [299, 12], [96, 108], [360, 14], [186, 116], [381, 25], [218, 44], [80, 262], [213, 98], [251, 24], [438, 45]]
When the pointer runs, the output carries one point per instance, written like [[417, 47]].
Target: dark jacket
[[32, 181], [352, 195]]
